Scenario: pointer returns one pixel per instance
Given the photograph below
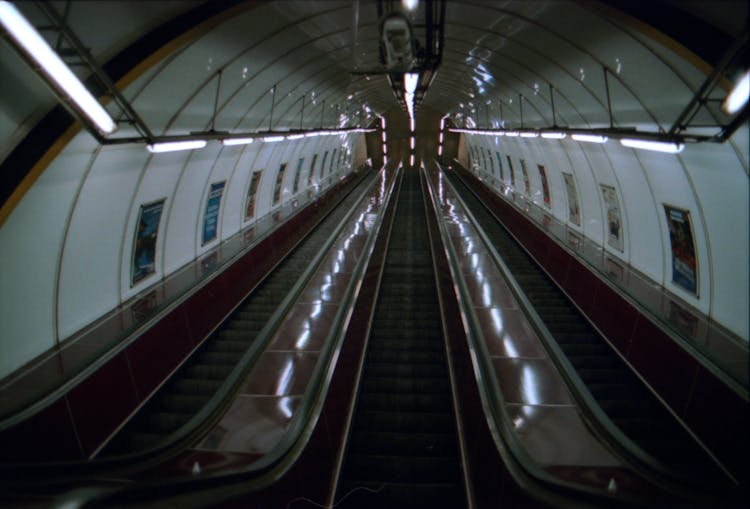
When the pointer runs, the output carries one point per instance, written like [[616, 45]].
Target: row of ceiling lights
[[62, 79]]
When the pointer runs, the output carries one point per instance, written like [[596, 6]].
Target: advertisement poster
[[574, 213], [614, 219], [684, 266], [280, 180], [251, 192], [512, 173], [297, 174], [144, 243], [312, 170], [500, 166], [211, 217], [526, 183], [545, 186]]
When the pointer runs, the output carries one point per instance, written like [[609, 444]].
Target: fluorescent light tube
[[554, 136], [411, 160], [658, 146], [271, 139], [529, 135], [410, 82], [54, 68], [312, 134], [737, 98], [589, 138], [511, 133], [173, 146], [410, 5], [440, 150], [236, 141], [411, 142], [294, 136]]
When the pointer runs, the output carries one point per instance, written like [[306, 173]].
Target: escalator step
[[413, 385], [164, 422], [409, 422], [196, 386], [407, 444], [417, 357], [182, 403], [218, 358], [406, 469], [227, 345], [379, 370], [208, 371], [380, 495], [373, 401]]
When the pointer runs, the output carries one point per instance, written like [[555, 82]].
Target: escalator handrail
[[282, 456], [514, 455], [595, 416]]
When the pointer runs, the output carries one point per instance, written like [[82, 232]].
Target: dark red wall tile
[[721, 419], [101, 402], [48, 435], [668, 368]]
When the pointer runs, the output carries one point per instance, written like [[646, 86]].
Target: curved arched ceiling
[[166, 58], [494, 53]]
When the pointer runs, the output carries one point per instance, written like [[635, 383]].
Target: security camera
[[397, 49]]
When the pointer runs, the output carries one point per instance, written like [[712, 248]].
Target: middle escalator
[[403, 447]]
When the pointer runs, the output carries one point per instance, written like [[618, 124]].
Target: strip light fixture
[[589, 138], [228, 142], [658, 146], [272, 139], [173, 146], [669, 147], [34, 45], [554, 136], [738, 97]]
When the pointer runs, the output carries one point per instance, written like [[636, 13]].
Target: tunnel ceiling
[[496, 55]]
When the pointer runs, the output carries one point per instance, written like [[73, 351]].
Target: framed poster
[[500, 166], [280, 180], [211, 215], [297, 174], [143, 263], [613, 217], [681, 239], [252, 190], [527, 185], [574, 213], [312, 170], [545, 186]]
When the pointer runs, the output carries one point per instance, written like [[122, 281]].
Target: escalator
[[622, 396], [191, 387], [403, 448]]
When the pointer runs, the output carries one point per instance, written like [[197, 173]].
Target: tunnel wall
[[706, 180], [71, 240]]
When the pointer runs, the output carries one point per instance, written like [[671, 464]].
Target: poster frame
[[691, 230], [135, 277]]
